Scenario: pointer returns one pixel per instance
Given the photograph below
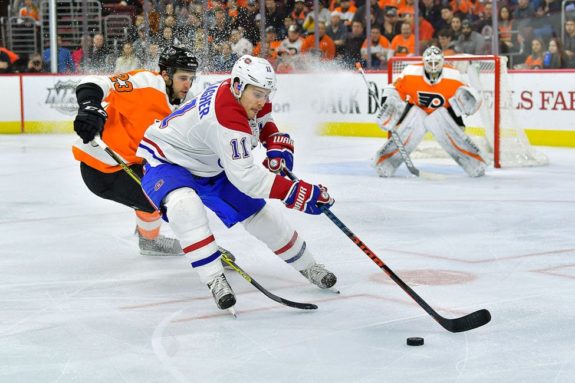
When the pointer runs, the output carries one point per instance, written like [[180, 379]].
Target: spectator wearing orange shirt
[[404, 43], [347, 10], [535, 59], [380, 49], [29, 10], [272, 45], [326, 44]]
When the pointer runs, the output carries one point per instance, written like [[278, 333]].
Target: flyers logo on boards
[[430, 100]]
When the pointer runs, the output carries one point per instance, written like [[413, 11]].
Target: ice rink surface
[[79, 304]]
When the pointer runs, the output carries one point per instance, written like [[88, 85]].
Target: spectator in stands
[[11, 55], [220, 31], [225, 58], [292, 44], [324, 16], [469, 41], [81, 56], [353, 43], [167, 38], [275, 13], [456, 26], [485, 19], [446, 43], [5, 64], [431, 12], [570, 41], [247, 20], [376, 13], [240, 45], [152, 57], [65, 62], [35, 63], [127, 60], [347, 11], [30, 10], [404, 43], [299, 12], [523, 14], [272, 45], [99, 55], [380, 49], [506, 30], [391, 24], [535, 59], [337, 31], [326, 44], [555, 57]]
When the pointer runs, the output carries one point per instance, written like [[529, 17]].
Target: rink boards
[[331, 103]]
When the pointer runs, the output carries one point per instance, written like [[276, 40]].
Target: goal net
[[494, 126]]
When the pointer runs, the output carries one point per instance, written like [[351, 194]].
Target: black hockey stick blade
[[467, 322], [286, 302]]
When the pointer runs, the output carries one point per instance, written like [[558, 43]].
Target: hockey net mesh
[[487, 128]]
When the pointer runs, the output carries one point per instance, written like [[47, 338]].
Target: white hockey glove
[[391, 109], [466, 101]]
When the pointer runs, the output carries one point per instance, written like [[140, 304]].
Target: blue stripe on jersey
[[151, 151], [206, 260]]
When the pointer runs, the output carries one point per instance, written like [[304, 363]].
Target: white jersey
[[211, 133]]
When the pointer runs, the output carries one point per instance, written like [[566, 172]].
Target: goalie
[[429, 97]]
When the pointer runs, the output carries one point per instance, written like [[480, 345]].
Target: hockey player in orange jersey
[[429, 96], [120, 108]]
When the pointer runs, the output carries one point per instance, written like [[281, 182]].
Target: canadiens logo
[[158, 185], [430, 100]]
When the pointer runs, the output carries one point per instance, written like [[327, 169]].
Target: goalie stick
[[394, 135], [464, 323], [97, 141]]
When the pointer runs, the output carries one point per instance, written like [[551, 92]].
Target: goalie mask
[[433, 63], [250, 70]]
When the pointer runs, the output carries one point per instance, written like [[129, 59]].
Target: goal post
[[494, 126]]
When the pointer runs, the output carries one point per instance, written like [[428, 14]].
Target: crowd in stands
[[529, 32]]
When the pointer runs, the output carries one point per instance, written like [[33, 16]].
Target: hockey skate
[[159, 246], [319, 276], [222, 292]]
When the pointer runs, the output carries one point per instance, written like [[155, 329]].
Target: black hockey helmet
[[174, 57]]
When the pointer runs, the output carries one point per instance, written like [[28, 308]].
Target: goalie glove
[[308, 198], [391, 109], [466, 101], [280, 148], [90, 120]]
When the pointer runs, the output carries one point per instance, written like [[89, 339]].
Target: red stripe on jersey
[[280, 188], [289, 244], [147, 140], [200, 244], [229, 112]]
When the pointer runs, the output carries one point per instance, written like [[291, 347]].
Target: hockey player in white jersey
[[201, 156], [430, 97]]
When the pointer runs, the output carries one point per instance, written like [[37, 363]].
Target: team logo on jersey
[[158, 185], [430, 100]]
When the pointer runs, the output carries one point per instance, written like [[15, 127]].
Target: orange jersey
[[413, 87], [133, 101]]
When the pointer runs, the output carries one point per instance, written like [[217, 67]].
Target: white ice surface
[[79, 304]]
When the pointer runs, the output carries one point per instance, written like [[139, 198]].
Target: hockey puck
[[415, 341]]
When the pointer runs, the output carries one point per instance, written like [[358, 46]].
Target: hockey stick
[[97, 141], [464, 323], [240, 271], [394, 135]]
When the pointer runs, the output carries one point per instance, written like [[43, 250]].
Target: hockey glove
[[308, 198], [90, 120], [280, 148]]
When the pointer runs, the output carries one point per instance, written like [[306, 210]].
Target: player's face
[[253, 99], [181, 83]]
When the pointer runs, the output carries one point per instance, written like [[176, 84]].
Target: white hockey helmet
[[433, 63], [250, 70]]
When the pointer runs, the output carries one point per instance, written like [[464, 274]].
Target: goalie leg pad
[[189, 221], [455, 142], [411, 130], [270, 227]]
